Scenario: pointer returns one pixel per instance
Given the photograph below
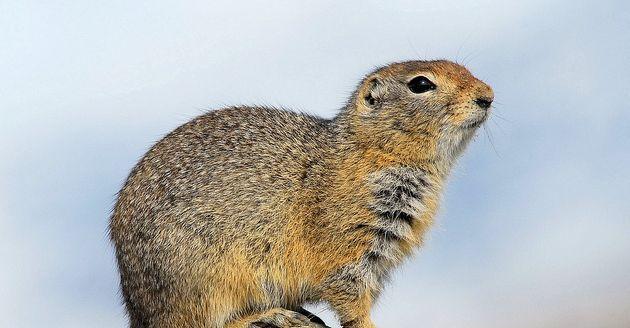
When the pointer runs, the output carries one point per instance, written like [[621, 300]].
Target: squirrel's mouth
[[473, 124]]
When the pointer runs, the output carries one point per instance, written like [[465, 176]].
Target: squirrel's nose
[[484, 102]]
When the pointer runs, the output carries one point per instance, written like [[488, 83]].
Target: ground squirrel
[[243, 214]]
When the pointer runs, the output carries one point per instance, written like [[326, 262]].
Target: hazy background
[[535, 226]]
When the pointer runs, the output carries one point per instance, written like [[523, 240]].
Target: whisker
[[494, 114], [472, 57], [501, 118], [413, 48], [461, 46], [497, 124], [490, 140], [465, 60]]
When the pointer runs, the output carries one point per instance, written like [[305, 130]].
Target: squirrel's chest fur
[[398, 208], [398, 199]]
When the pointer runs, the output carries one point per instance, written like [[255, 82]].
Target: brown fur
[[246, 213]]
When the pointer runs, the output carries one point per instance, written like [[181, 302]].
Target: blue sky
[[535, 224]]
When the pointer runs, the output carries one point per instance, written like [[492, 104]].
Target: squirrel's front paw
[[283, 318]]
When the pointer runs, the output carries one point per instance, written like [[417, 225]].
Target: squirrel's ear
[[371, 94]]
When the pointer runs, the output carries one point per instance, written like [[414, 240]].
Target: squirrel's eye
[[420, 84]]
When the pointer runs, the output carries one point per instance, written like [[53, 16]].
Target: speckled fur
[[244, 214]]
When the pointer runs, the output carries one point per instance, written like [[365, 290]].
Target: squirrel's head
[[419, 109]]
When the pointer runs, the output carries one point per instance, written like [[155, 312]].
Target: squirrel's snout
[[484, 102], [485, 96]]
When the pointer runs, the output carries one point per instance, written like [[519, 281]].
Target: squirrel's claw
[[283, 318]]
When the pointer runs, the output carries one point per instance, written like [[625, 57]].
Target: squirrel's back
[[240, 155]]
